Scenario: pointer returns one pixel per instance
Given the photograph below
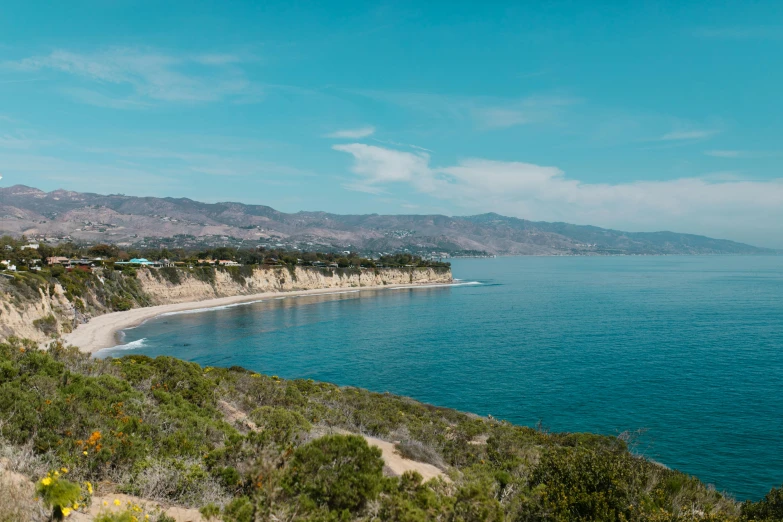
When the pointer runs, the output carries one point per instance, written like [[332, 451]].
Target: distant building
[[226, 262], [57, 260], [31, 246], [140, 262]]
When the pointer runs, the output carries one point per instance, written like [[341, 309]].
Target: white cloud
[[724, 153], [484, 112], [353, 134], [717, 206], [740, 33], [151, 74], [738, 154], [692, 134], [500, 118], [534, 109], [377, 165]]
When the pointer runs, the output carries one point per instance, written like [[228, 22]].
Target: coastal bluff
[[186, 286], [43, 309]]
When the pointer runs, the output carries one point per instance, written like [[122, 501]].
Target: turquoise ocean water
[[688, 349]]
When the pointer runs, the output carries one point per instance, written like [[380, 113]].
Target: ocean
[[686, 353]]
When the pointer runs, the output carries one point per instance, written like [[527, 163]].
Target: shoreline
[[101, 331]]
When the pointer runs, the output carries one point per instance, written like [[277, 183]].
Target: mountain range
[[151, 221]]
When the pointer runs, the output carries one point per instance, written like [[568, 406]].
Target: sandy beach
[[101, 332]]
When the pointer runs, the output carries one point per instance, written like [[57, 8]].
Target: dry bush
[[16, 498], [24, 459], [181, 481], [420, 452]]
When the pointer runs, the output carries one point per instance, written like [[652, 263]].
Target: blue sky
[[637, 115]]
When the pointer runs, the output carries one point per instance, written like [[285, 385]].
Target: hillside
[[245, 447], [151, 222]]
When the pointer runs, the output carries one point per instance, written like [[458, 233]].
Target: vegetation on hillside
[[24, 258], [163, 429], [89, 292]]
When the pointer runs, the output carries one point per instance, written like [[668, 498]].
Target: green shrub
[[239, 510], [171, 274], [210, 512], [339, 471], [47, 325], [121, 304], [280, 425], [769, 508]]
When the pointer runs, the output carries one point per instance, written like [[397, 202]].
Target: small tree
[[337, 471]]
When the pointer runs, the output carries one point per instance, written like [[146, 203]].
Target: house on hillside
[[57, 260], [140, 262], [226, 262]]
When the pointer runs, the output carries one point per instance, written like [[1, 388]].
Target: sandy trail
[[391, 458], [101, 332], [396, 462]]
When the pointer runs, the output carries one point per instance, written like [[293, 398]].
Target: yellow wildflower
[[84, 453], [89, 487], [75, 505], [117, 502], [105, 503], [66, 512], [47, 481], [64, 470]]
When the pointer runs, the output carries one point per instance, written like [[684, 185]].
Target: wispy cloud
[[533, 109], [716, 205], [352, 134], [399, 144], [485, 112], [25, 80], [237, 163], [689, 134], [152, 75], [26, 140], [741, 154], [740, 33]]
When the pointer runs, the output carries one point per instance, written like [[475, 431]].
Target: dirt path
[[399, 464], [393, 460]]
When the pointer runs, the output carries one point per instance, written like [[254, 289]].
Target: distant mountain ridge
[[134, 220]]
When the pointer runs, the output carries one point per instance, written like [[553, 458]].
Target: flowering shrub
[[60, 495]]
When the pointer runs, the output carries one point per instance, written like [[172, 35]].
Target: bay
[[686, 351]]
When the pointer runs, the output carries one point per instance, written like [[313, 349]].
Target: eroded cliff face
[[265, 279], [44, 314], [39, 319]]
